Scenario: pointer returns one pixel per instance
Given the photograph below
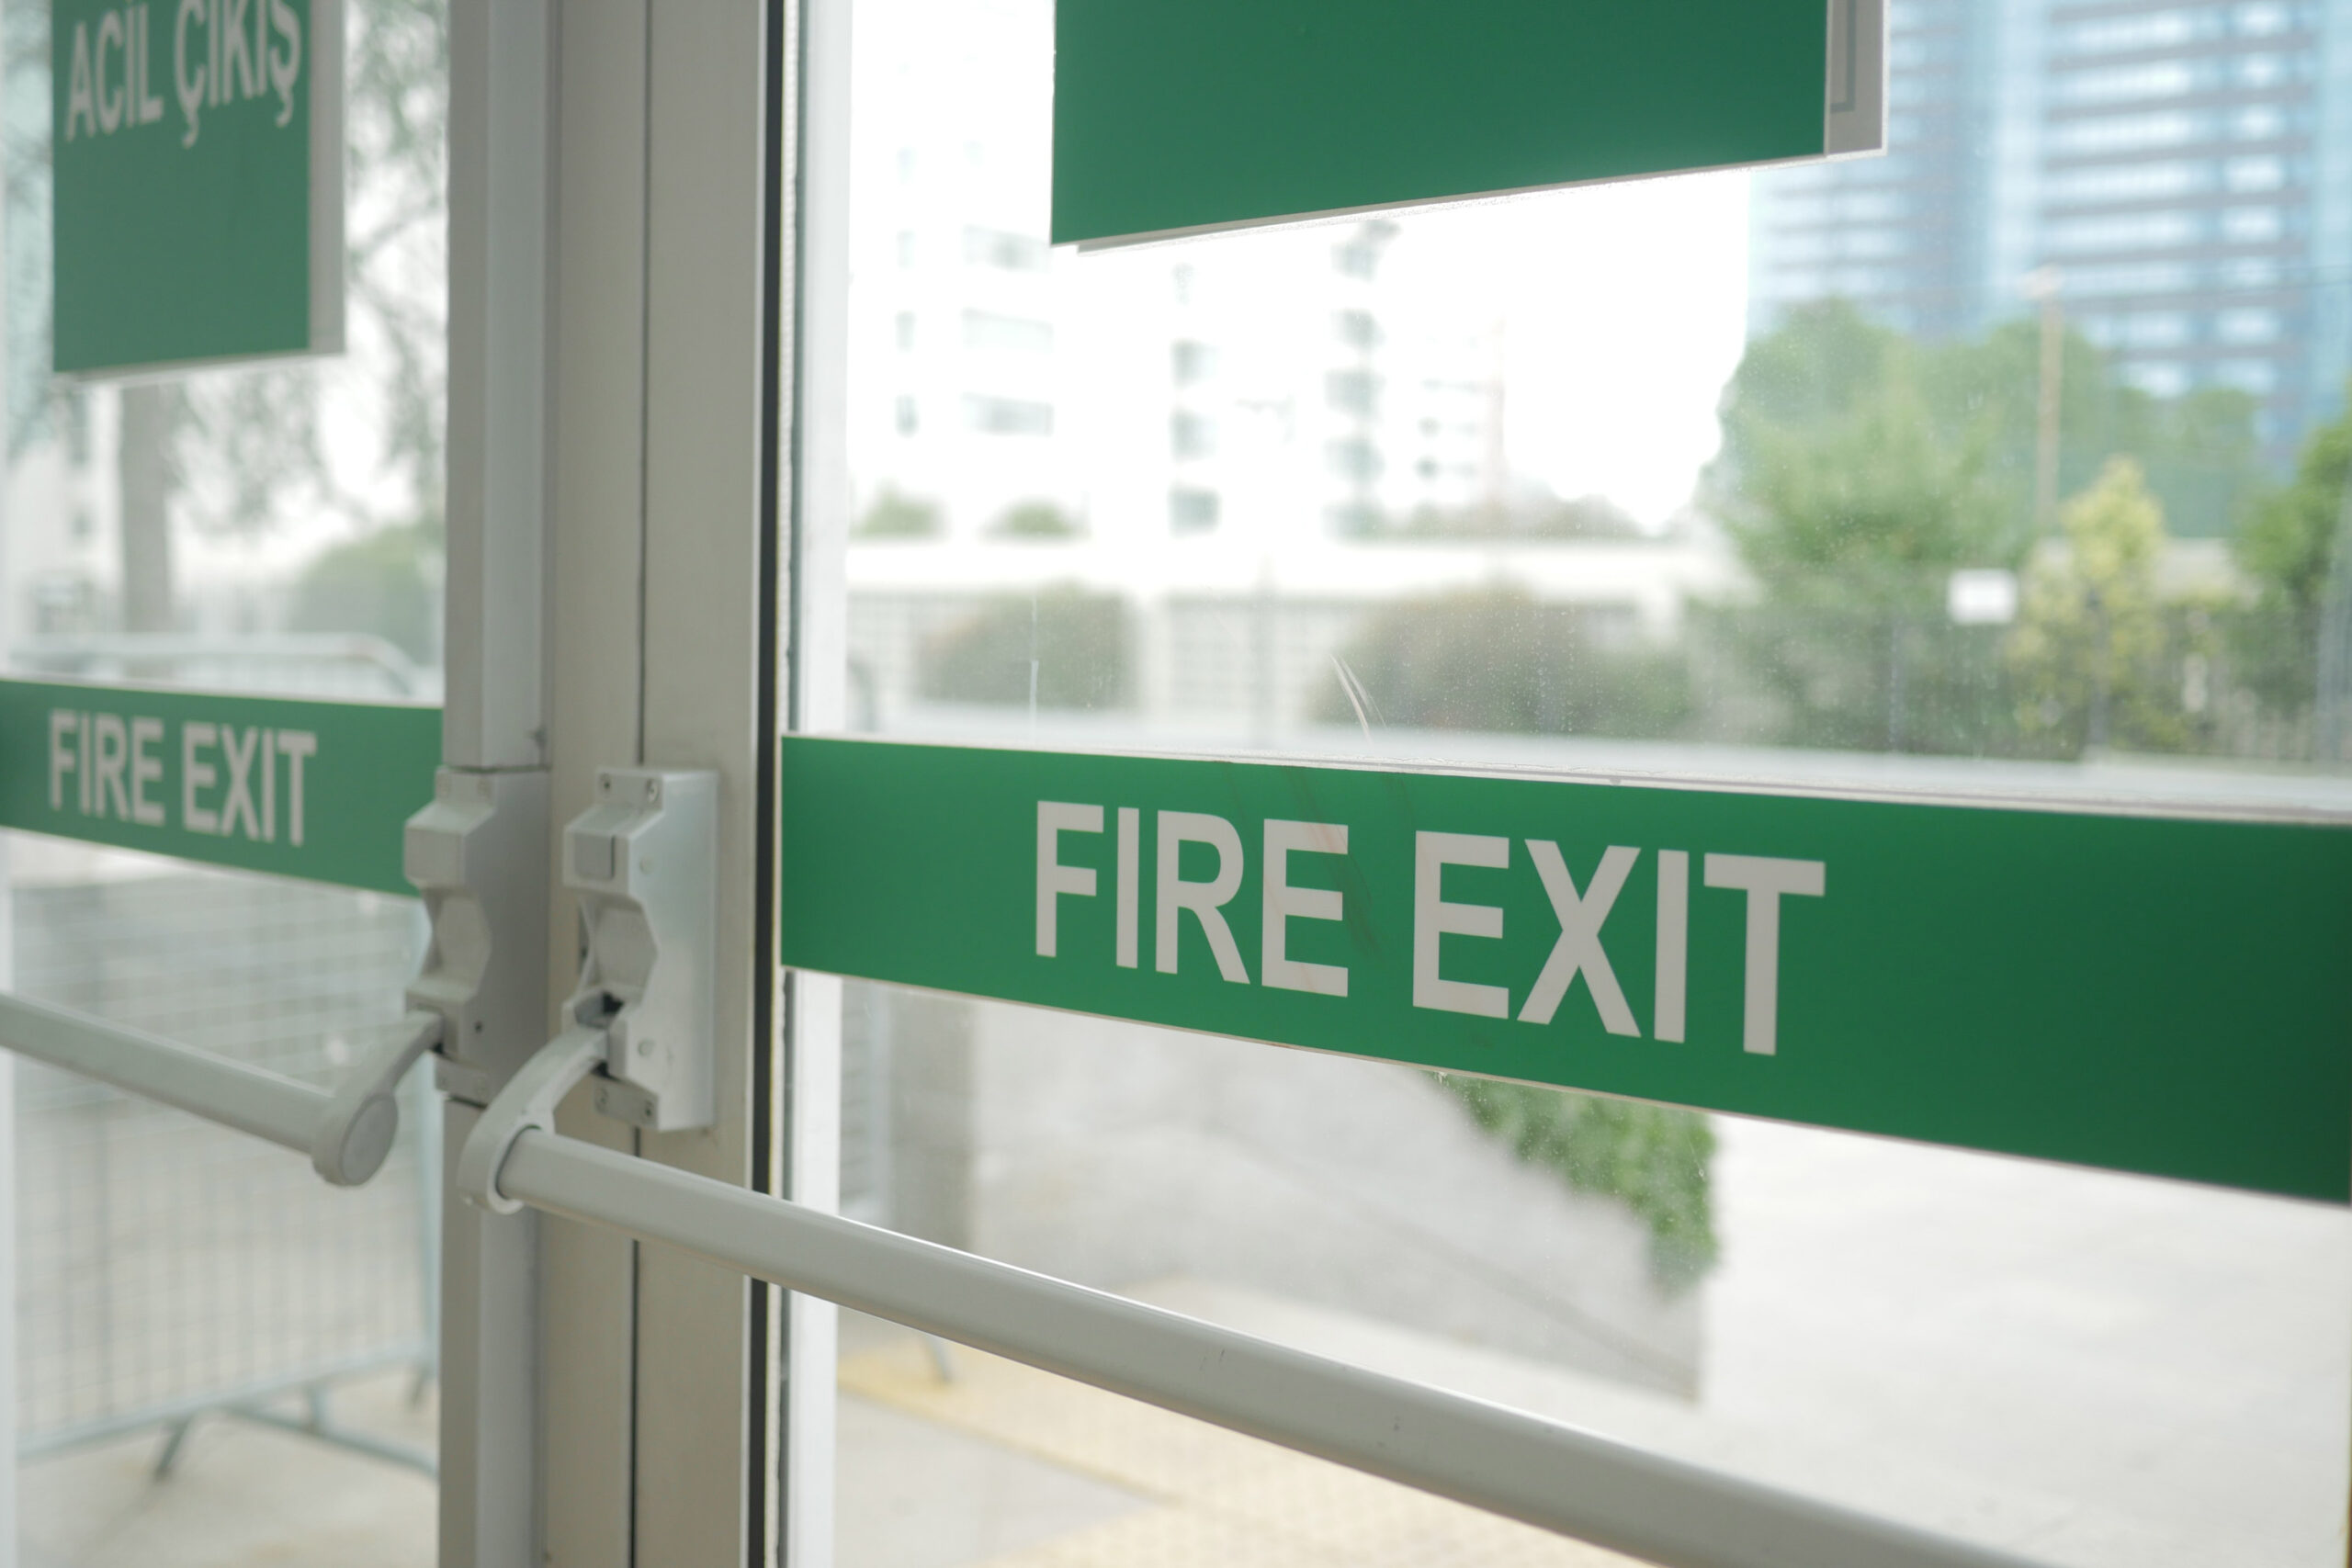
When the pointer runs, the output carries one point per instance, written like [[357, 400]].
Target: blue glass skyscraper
[[2185, 168]]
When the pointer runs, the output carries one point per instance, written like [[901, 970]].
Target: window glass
[[2016, 460], [187, 1297]]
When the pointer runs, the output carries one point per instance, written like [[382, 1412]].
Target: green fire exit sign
[[2165, 997], [314, 790], [1177, 116], [198, 160]]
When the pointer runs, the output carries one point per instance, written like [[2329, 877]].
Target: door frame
[[623, 247]]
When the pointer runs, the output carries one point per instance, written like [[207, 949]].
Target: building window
[[2129, 277], [2132, 231], [2250, 273], [1192, 510], [1357, 329], [1002, 248], [2160, 378], [1355, 460], [907, 420], [2255, 173], [2111, 35], [2246, 326], [2259, 377], [2128, 181], [2160, 79], [1191, 435], [1191, 362], [906, 330], [1007, 416], [2264, 19], [1360, 257], [2259, 70], [1353, 391], [2124, 133], [990, 332], [2156, 329], [2252, 225], [2260, 123]]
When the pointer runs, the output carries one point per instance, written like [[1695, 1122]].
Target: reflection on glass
[[277, 530], [2014, 461]]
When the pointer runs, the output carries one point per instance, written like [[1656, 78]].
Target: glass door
[[217, 1358], [2011, 464], [1501, 615]]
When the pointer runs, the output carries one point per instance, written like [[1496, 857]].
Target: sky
[[1625, 311]]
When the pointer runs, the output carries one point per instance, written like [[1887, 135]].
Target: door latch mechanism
[[643, 863], [477, 856]]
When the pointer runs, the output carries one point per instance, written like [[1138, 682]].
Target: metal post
[[494, 718]]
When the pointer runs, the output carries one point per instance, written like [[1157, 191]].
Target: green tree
[[896, 517], [1037, 520], [2095, 651], [1859, 468], [2289, 549], [1653, 1158], [381, 585], [1064, 646], [1852, 493], [1493, 659]]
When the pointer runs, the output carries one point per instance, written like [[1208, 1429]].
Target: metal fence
[[167, 1267]]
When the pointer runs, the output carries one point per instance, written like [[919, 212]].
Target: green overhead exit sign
[[197, 150], [1178, 117], [2166, 997]]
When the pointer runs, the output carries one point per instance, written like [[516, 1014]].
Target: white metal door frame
[[617, 210]]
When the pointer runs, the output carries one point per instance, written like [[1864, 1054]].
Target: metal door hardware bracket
[[527, 1101], [477, 855], [643, 862]]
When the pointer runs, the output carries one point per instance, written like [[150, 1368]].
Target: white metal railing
[[326, 663]]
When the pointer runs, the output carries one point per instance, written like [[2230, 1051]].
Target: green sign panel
[[313, 790], [198, 159], [2159, 996], [1175, 117]]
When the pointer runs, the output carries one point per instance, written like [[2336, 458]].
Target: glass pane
[[221, 1359], [2016, 461]]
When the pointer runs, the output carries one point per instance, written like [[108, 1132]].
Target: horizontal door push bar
[[1663, 1510], [347, 1131]]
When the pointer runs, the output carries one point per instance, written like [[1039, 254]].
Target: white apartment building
[[1268, 385]]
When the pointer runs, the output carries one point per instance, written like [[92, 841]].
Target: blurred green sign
[[314, 790], [2159, 996], [197, 152], [1174, 116]]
